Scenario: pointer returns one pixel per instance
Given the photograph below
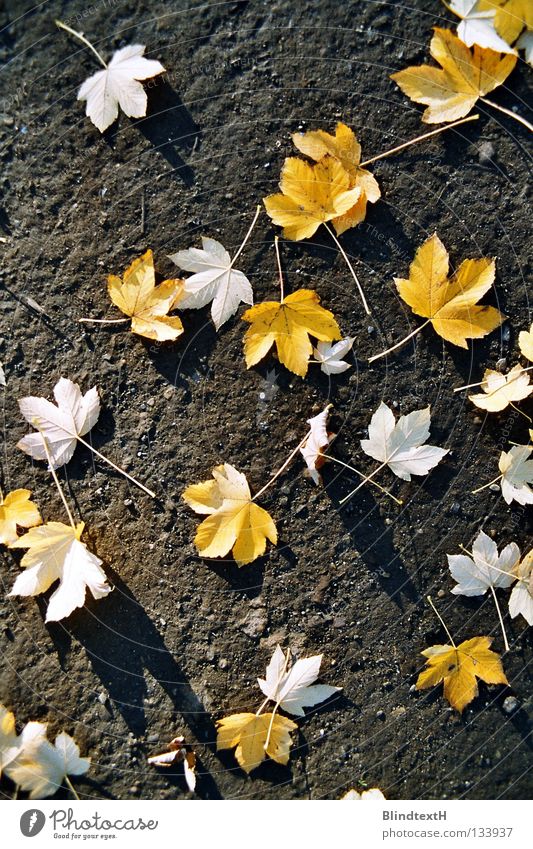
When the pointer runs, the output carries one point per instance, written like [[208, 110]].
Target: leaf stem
[[276, 706], [281, 469], [54, 475], [502, 626], [400, 343], [361, 475], [249, 233], [508, 112], [350, 266], [366, 479], [70, 786], [104, 320], [416, 140], [278, 259], [441, 620], [117, 468], [82, 38], [486, 485], [530, 420]]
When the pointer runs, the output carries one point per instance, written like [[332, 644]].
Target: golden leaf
[[511, 16], [288, 324], [450, 92], [310, 196], [459, 667], [525, 343], [248, 733], [500, 390], [234, 522], [147, 304], [450, 304], [16, 509]]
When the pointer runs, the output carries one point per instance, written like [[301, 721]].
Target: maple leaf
[[477, 25], [55, 552], [450, 305], [400, 445], [511, 17], [9, 741], [234, 522], [288, 324], [521, 599], [500, 390], [310, 196], [117, 85], [317, 440], [214, 280], [344, 147], [525, 43], [41, 768], [293, 689], [61, 426], [137, 296], [330, 355], [17, 509], [525, 342], [450, 92], [486, 568], [249, 732], [373, 794], [177, 752], [517, 474], [459, 667]]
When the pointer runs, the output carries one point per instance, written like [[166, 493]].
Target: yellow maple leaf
[[234, 523], [310, 196], [451, 91], [511, 16], [288, 324], [459, 667], [16, 509], [525, 342], [344, 147], [450, 305], [249, 732], [147, 304], [500, 390]]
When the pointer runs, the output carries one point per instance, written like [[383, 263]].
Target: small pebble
[[510, 704], [380, 714], [486, 152]]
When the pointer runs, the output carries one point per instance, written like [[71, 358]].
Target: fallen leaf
[[459, 666], [178, 752], [148, 305], [525, 43], [288, 324], [511, 17], [500, 390], [344, 147], [117, 85], [317, 440], [400, 445], [311, 195], [330, 355], [234, 522], [517, 474], [16, 509], [477, 25], [450, 304], [215, 280], [41, 768], [486, 568], [373, 794], [2, 376], [9, 741], [74, 416], [291, 688], [450, 92], [248, 732], [55, 552], [525, 342], [521, 599]]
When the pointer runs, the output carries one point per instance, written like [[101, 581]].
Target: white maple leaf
[[500, 390], [400, 445], [74, 416], [521, 599], [117, 85], [317, 440], [215, 280], [40, 767], [292, 689], [374, 794], [55, 552], [477, 25], [486, 568], [11, 745], [525, 43], [517, 474], [330, 355]]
